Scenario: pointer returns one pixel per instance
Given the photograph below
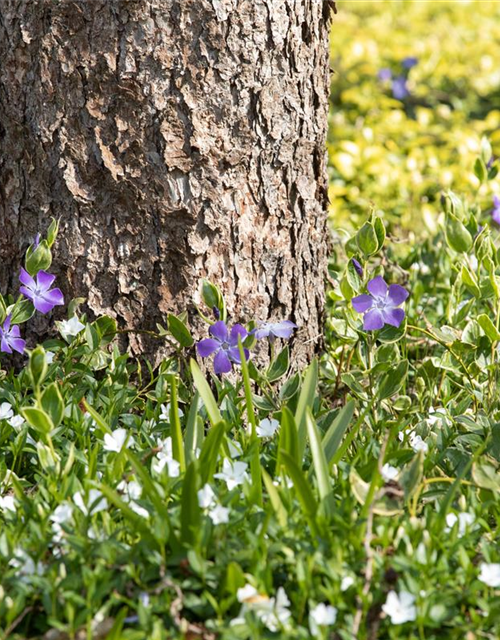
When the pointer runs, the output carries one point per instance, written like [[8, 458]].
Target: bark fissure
[[176, 141]]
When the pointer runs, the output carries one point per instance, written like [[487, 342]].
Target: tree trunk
[[176, 140]]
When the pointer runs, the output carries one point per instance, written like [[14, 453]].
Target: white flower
[[267, 428], [275, 613], [132, 490], [402, 434], [7, 503], [95, 502], [347, 581], [233, 473], [400, 608], [16, 422], [323, 615], [70, 327], [435, 416], [116, 440], [465, 521], [6, 411], [165, 458], [206, 497], [49, 357], [25, 564], [389, 472], [490, 574], [417, 444], [141, 511], [246, 593], [219, 514], [62, 513], [235, 450], [165, 412]]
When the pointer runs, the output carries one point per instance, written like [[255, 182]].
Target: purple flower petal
[[496, 215], [377, 287], [222, 364], [393, 316], [27, 292], [397, 294], [15, 332], [373, 320], [26, 279], [409, 62], [384, 74], [44, 306], [18, 344], [362, 303], [283, 329], [237, 330], [400, 88], [44, 280], [206, 347], [262, 332], [234, 354], [6, 323], [54, 296], [5, 346], [219, 331], [496, 202]]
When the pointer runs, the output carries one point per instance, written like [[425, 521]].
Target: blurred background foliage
[[398, 155]]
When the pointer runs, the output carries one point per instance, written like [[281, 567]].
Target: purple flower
[[495, 212], [409, 62], [380, 307], [272, 330], [384, 74], [357, 266], [225, 346], [43, 297], [400, 88], [490, 162], [10, 337]]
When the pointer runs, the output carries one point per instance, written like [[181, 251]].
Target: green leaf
[[190, 509], [206, 394], [488, 327], [393, 380], [175, 426], [306, 400], [279, 366], [302, 490], [480, 170], [21, 311], [378, 225], [52, 403], [179, 331], [191, 439], [149, 487], [210, 451], [367, 239], [333, 437], [39, 258], [37, 366], [457, 236], [106, 328], [38, 419], [412, 475], [275, 499], [386, 506], [320, 466], [486, 476], [288, 437], [470, 282]]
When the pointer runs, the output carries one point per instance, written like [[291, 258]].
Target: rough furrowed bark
[[176, 140]]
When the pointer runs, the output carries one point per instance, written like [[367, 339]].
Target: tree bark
[[176, 140]]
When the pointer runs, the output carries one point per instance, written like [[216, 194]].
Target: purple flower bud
[[224, 345], [409, 62], [400, 88], [36, 241], [495, 212], [43, 297], [10, 337], [357, 265], [272, 330], [379, 306], [490, 162], [384, 74], [216, 312]]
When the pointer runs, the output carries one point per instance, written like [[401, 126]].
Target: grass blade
[[306, 400], [206, 394]]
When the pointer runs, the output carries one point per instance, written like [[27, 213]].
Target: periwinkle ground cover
[[356, 499]]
